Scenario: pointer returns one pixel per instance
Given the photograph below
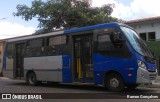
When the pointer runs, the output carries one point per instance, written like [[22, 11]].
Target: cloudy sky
[[11, 26]]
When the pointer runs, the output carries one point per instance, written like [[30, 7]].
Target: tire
[[31, 79], [114, 82], [131, 86]]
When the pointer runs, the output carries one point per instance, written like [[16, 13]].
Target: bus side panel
[[47, 68], [66, 70], [103, 64], [8, 68]]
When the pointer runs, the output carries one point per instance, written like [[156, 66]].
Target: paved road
[[70, 91]]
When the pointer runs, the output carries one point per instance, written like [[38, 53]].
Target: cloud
[[8, 29], [135, 9], [145, 8]]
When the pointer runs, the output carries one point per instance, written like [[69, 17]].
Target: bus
[[110, 55]]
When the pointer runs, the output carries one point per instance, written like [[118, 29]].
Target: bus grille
[[152, 76]]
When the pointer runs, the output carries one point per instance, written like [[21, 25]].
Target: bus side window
[[10, 50], [35, 48], [104, 43], [107, 47], [55, 45]]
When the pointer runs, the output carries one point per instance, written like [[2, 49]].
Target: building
[[1, 55], [147, 28]]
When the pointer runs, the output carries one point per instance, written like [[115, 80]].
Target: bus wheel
[[114, 82], [31, 79], [131, 86]]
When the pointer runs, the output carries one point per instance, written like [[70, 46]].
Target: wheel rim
[[114, 83], [32, 79]]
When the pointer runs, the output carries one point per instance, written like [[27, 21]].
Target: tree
[[65, 14]]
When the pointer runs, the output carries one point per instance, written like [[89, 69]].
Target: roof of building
[[143, 20]]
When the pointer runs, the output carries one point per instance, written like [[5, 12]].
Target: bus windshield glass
[[136, 42]]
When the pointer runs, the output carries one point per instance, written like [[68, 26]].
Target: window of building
[[143, 36], [151, 36]]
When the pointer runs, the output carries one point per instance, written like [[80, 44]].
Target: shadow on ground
[[98, 89]]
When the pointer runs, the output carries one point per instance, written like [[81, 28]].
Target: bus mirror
[[116, 40], [119, 43]]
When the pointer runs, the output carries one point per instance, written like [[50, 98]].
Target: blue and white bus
[[111, 54]]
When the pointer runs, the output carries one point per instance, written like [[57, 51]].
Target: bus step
[[81, 83]]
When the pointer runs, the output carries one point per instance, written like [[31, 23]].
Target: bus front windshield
[[136, 42]]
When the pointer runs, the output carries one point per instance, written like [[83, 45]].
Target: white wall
[[146, 27]]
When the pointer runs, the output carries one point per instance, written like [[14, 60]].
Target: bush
[[155, 47]]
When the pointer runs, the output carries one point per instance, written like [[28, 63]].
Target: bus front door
[[19, 58], [83, 58]]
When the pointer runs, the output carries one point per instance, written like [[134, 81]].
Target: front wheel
[[114, 82], [31, 79]]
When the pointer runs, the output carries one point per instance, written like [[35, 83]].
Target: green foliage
[[155, 48], [65, 14]]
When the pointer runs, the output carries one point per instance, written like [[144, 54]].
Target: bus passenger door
[[83, 59], [19, 58]]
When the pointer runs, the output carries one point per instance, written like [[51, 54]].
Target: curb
[[3, 78], [155, 85]]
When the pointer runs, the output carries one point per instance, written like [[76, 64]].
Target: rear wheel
[[114, 82], [31, 79]]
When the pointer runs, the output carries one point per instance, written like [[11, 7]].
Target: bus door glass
[[83, 61], [19, 58]]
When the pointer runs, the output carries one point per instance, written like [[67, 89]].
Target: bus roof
[[98, 26], [33, 36]]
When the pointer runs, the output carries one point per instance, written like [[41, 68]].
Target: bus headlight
[[156, 70], [141, 64]]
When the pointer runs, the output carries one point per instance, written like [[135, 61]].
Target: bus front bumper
[[145, 77]]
